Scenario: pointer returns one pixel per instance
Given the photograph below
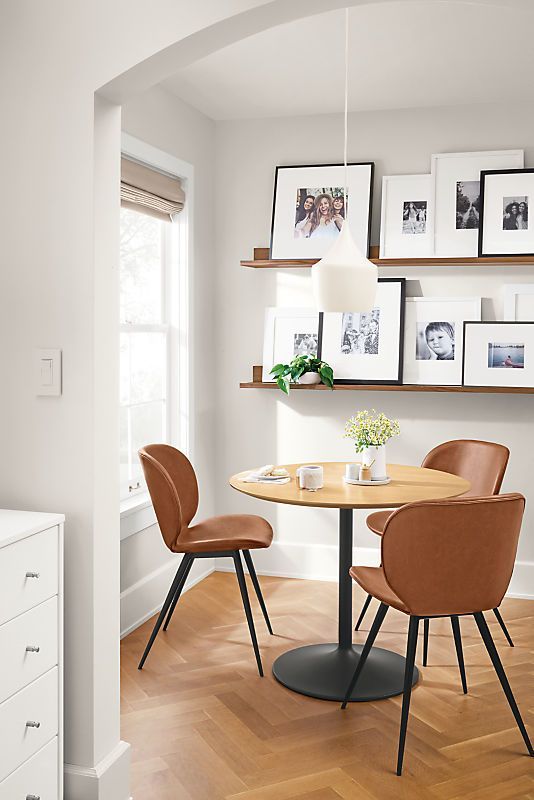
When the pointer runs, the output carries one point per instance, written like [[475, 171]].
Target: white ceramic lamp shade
[[344, 280]]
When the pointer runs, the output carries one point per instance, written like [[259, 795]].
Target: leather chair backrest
[[173, 488], [452, 556], [483, 464]]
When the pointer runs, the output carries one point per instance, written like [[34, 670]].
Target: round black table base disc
[[324, 671]]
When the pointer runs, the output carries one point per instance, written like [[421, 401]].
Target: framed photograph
[[406, 221], [288, 332], [433, 338], [505, 195], [519, 302], [457, 202], [498, 354], [366, 347], [309, 208]]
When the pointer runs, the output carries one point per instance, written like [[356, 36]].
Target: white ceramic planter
[[310, 378], [378, 455]]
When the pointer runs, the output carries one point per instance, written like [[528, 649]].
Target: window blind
[[150, 192]]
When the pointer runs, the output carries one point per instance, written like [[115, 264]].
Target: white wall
[[160, 119], [264, 427]]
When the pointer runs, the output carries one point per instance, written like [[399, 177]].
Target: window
[[148, 250]]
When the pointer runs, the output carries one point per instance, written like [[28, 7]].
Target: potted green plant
[[303, 369], [370, 431]]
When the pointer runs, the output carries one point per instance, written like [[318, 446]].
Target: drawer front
[[28, 573], [37, 778], [38, 704], [29, 647]]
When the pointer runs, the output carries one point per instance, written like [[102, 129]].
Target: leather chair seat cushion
[[229, 532], [376, 522], [373, 581]]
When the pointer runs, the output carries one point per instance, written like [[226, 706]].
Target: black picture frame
[[279, 168], [400, 362], [520, 323], [483, 194]]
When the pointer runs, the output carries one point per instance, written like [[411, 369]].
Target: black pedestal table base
[[324, 670]]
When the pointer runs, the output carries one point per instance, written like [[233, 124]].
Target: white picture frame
[[375, 355], [518, 302], [505, 227], [448, 170], [432, 325], [291, 239], [282, 326], [403, 232], [499, 354]]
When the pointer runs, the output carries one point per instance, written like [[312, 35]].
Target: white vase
[[378, 456], [310, 378]]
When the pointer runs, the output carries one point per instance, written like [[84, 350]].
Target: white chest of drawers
[[31, 660]]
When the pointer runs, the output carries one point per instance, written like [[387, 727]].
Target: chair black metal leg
[[168, 600], [499, 669], [375, 627], [426, 629], [178, 591], [503, 626], [363, 612], [248, 612], [408, 678], [257, 587], [459, 650]]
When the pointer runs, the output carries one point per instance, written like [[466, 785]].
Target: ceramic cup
[[352, 472], [310, 477]]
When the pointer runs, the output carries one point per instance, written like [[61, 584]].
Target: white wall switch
[[47, 372]]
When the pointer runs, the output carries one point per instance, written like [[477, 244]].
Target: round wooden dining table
[[324, 670]]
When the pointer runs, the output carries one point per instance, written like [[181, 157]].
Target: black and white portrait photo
[[360, 332], [434, 341], [305, 344], [414, 217], [467, 204], [515, 213], [319, 212], [506, 356]]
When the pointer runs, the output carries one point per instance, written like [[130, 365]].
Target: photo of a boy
[[435, 341]]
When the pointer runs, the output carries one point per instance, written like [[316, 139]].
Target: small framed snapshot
[[433, 338], [519, 302], [457, 201], [406, 220], [309, 208], [505, 195], [499, 354], [288, 332], [366, 347]]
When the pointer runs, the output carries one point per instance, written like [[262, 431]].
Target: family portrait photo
[[305, 344], [414, 217], [320, 212], [434, 341], [515, 213], [507, 356], [467, 204], [360, 332]]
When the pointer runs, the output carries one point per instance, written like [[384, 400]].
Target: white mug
[[352, 472], [310, 477]]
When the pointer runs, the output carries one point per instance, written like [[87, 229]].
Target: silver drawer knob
[[33, 797], [32, 575], [32, 724], [32, 649]]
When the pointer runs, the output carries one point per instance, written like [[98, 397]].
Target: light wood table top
[[408, 484]]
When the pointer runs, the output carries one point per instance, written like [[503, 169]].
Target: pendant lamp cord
[[345, 187]]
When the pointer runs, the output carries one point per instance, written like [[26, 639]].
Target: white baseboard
[[319, 562], [108, 780], [145, 598]]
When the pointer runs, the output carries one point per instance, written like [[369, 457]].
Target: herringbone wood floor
[[204, 726]]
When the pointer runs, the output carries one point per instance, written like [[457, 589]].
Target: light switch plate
[[47, 372]]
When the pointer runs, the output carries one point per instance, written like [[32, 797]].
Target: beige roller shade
[[150, 192]]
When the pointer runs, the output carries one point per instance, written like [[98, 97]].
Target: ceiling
[[407, 55]]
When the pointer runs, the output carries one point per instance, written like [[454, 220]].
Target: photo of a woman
[[338, 204], [322, 219], [304, 209], [515, 214]]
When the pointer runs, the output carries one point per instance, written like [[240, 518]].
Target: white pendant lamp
[[345, 280]]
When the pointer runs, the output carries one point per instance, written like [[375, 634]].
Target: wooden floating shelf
[[257, 383], [261, 260]]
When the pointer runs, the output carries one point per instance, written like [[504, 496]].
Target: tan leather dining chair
[[173, 488], [441, 559], [483, 464]]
